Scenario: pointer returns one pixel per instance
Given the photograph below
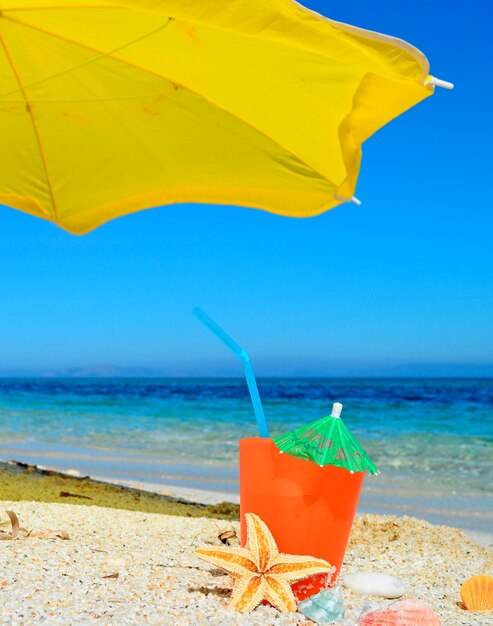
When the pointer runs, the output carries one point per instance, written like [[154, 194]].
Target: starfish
[[260, 572]]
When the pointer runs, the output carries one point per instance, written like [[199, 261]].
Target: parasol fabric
[[108, 107], [327, 441]]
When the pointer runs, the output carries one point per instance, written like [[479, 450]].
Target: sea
[[432, 439]]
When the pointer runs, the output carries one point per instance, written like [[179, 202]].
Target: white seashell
[[373, 584]]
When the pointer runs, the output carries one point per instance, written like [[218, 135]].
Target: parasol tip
[[438, 82], [336, 410]]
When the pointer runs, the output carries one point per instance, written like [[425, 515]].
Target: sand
[[145, 542], [158, 580]]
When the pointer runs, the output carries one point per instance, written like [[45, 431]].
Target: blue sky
[[407, 278]]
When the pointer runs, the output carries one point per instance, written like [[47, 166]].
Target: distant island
[[104, 371], [411, 370], [89, 371]]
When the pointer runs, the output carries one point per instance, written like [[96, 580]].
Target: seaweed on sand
[[21, 482]]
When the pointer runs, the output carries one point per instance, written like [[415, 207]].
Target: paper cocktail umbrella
[[327, 441]]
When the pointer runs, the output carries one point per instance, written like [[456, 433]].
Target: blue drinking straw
[[247, 367]]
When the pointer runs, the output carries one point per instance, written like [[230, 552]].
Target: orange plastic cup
[[309, 509]]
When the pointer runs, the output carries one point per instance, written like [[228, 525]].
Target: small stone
[[325, 607], [373, 584]]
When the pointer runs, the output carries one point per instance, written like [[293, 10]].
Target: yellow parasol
[[112, 106]]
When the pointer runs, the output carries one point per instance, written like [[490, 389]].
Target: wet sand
[[23, 482], [392, 493]]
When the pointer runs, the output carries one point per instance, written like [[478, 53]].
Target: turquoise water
[[431, 439], [437, 431]]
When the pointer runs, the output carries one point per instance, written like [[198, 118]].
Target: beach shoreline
[[197, 496], [203, 496], [218, 482]]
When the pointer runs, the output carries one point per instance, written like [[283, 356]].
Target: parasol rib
[[34, 125]]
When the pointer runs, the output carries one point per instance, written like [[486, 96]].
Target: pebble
[[374, 584]]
